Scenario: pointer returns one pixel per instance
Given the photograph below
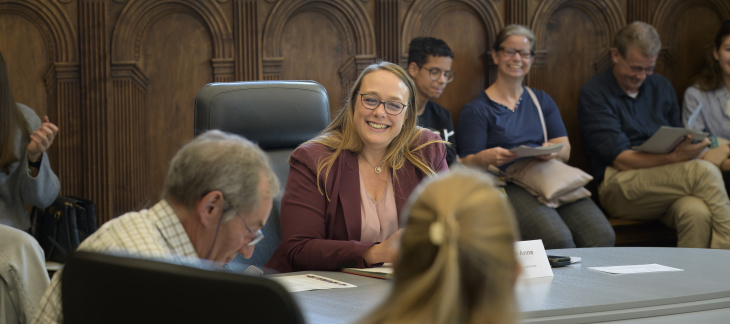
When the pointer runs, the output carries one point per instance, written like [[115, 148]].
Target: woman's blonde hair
[[456, 262], [341, 134], [11, 121]]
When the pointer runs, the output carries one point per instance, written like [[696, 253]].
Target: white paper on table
[[310, 282], [639, 268]]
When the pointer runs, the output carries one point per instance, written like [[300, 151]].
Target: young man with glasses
[[429, 65], [217, 196], [620, 109]]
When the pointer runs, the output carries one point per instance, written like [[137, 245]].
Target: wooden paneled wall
[[119, 76]]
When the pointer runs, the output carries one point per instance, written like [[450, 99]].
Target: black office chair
[[104, 288], [278, 115]]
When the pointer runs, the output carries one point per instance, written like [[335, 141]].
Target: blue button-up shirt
[[613, 122]]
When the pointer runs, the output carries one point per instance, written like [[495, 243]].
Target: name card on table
[[533, 259]]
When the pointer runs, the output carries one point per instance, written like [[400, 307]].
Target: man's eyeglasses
[[372, 102], [510, 52], [638, 69], [435, 73], [257, 236]]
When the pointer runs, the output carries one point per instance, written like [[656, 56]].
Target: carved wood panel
[[120, 76], [567, 56]]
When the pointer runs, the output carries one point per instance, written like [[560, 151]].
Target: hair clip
[[436, 233]]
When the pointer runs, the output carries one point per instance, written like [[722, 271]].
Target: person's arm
[[600, 123], [472, 138], [563, 155], [40, 186], [496, 156], [632, 159], [689, 105], [305, 229], [50, 307], [384, 252]]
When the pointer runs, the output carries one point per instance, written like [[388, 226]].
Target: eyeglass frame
[[638, 69], [258, 236], [362, 101], [450, 75], [505, 52]]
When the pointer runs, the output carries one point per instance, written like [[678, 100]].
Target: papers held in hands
[[524, 151], [383, 272], [667, 138]]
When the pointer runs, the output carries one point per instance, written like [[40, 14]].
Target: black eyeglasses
[[510, 52], [435, 74], [372, 102]]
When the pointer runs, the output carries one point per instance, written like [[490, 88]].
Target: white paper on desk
[[310, 282], [524, 150], [639, 268], [533, 259]]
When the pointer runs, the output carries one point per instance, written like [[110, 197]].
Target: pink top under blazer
[[317, 234]]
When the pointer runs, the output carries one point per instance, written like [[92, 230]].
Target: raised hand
[[41, 139]]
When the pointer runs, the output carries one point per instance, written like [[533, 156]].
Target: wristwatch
[[36, 164]]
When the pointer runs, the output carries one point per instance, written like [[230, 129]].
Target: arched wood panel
[[173, 78], [162, 54], [39, 46], [26, 65], [468, 27], [325, 39], [567, 57], [687, 30], [319, 56]]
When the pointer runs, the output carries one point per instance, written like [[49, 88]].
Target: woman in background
[[504, 117], [456, 262], [346, 187], [25, 178], [711, 96]]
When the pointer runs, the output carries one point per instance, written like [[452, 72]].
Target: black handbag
[[62, 226]]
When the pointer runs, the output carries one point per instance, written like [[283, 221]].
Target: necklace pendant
[[378, 170]]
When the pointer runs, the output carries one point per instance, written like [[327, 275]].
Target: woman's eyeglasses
[[372, 102]]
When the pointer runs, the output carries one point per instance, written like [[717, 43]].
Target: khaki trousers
[[688, 196]]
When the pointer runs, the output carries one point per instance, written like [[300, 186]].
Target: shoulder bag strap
[[539, 111]]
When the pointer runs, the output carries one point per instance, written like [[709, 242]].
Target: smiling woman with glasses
[[347, 186], [505, 116]]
